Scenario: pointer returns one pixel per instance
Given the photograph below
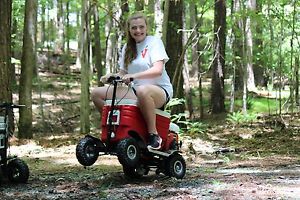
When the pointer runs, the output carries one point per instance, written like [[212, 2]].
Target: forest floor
[[259, 160], [211, 174]]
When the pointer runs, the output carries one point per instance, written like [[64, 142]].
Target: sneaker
[[155, 141]]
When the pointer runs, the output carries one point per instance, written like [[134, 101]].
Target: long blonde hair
[[131, 51]]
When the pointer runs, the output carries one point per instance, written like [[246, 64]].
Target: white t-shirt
[[149, 51]]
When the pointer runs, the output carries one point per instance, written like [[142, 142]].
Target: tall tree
[[61, 21], [85, 68], [28, 64], [165, 24], [67, 31], [174, 48], [158, 17], [293, 68], [218, 73], [110, 39], [5, 51], [97, 44], [251, 5], [185, 72], [297, 75], [259, 62]]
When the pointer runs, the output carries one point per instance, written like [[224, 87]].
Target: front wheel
[[176, 166], [17, 171], [128, 152], [86, 151]]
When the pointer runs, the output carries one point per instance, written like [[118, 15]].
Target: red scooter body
[[127, 118]]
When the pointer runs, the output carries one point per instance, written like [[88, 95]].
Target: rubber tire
[[128, 152], [176, 166], [17, 171], [86, 151]]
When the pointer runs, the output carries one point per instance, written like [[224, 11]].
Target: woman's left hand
[[127, 78]]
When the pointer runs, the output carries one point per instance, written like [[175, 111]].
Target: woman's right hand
[[104, 78]]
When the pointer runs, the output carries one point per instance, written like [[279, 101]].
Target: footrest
[[161, 153]]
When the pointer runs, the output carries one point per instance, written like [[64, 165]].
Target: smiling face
[[138, 29]]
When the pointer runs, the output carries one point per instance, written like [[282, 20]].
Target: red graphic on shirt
[[144, 52]]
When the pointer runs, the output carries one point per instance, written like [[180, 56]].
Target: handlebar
[[10, 105], [116, 79]]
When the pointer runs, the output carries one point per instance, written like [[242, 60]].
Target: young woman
[[143, 59]]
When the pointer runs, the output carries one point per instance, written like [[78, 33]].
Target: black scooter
[[13, 168]]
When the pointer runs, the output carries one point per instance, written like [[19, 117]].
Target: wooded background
[[241, 48]]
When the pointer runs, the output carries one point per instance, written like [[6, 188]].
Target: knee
[[142, 92], [96, 94]]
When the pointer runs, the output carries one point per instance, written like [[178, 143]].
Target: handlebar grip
[[113, 78]]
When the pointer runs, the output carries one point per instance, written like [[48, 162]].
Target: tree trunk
[[165, 25], [174, 49], [158, 18], [280, 59], [251, 4], [217, 84], [293, 67], [259, 63], [245, 67], [151, 21], [110, 40], [43, 23], [85, 69], [185, 71], [59, 42], [5, 51], [238, 45], [271, 46], [97, 47], [67, 35], [28, 64], [297, 97], [196, 56], [233, 44]]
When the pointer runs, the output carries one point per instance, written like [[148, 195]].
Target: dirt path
[[56, 174]]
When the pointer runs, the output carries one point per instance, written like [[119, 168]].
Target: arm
[[153, 72]]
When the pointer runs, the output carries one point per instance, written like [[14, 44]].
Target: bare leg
[[100, 94], [149, 98]]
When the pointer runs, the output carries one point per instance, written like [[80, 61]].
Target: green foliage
[[258, 105], [249, 102], [176, 117], [174, 102], [18, 10], [196, 129], [192, 128], [239, 117]]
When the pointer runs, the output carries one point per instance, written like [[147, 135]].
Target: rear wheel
[[17, 171], [175, 166], [87, 151], [128, 152]]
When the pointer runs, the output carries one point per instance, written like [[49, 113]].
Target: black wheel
[[175, 166], [128, 152], [86, 151], [138, 172], [17, 171]]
